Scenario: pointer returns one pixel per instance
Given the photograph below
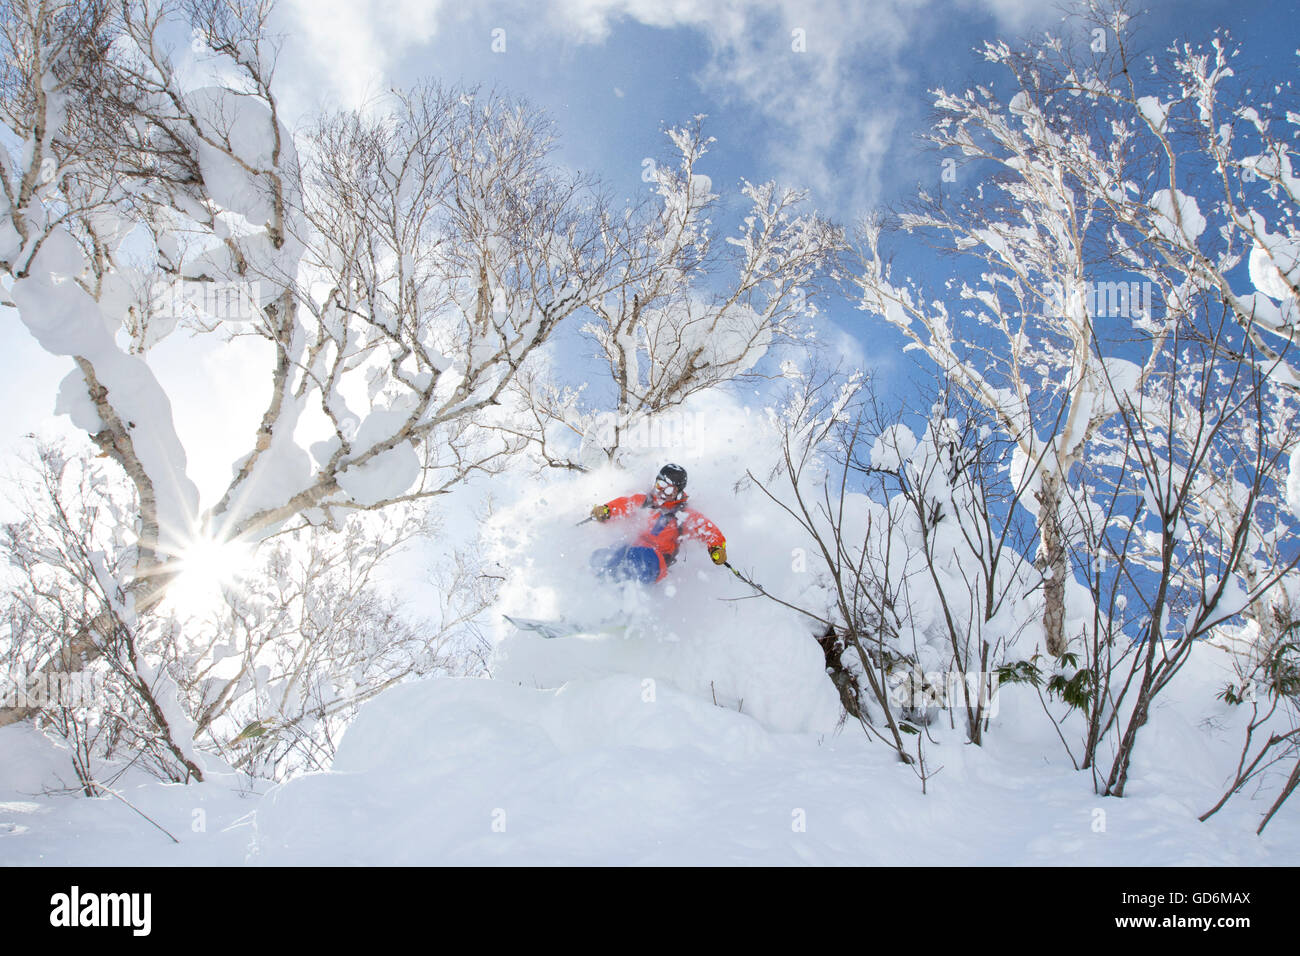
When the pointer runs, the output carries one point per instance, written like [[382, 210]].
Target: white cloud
[[833, 132], [353, 46], [802, 67], [1014, 13]]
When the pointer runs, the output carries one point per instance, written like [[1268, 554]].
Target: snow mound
[[31, 762], [462, 771], [448, 765]]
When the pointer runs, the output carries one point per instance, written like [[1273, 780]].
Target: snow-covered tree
[[917, 548], [854, 615], [1014, 336], [69, 615], [1153, 412], [397, 270], [261, 665], [952, 539], [689, 312], [1268, 683]]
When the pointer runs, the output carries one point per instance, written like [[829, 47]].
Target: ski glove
[[600, 512], [719, 554]]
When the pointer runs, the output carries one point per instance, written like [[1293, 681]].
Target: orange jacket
[[665, 526]]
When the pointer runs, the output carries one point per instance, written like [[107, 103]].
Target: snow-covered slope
[[490, 771], [706, 733], [487, 771]]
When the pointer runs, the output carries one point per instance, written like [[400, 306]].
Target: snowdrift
[[596, 772], [704, 733]]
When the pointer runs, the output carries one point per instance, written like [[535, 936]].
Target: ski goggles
[[665, 488]]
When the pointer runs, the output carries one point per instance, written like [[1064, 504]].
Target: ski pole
[[756, 587], [772, 597]]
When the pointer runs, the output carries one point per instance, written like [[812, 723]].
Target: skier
[[664, 518]]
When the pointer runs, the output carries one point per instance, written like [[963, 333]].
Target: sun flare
[[208, 566]]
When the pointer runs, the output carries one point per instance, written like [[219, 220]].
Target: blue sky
[[838, 116], [826, 95]]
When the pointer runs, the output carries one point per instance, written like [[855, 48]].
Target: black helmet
[[675, 474]]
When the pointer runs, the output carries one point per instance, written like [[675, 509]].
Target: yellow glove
[[719, 554], [600, 512]]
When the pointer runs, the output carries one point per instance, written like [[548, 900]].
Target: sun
[[207, 567]]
